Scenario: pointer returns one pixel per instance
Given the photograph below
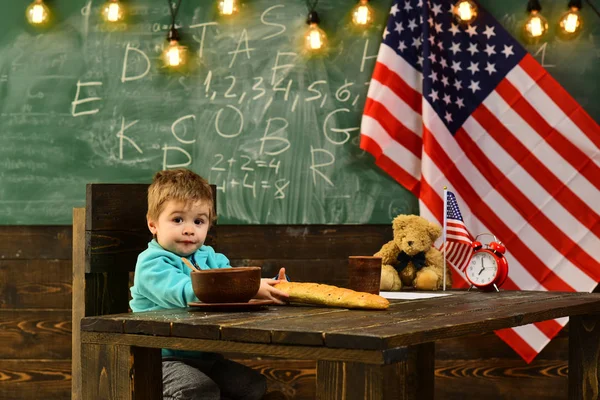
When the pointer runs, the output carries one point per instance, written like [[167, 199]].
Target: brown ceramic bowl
[[226, 285]]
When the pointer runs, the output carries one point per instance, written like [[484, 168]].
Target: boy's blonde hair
[[178, 184]]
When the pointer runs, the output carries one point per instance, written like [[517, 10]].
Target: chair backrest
[[108, 235]]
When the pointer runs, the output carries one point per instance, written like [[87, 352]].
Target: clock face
[[482, 269]]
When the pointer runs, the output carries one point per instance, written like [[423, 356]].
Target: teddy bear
[[410, 259]]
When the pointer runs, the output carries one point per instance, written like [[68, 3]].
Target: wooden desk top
[[406, 322]]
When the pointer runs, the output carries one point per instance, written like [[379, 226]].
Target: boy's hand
[[268, 292], [281, 275]]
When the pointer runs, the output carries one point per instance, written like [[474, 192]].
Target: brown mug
[[364, 273]]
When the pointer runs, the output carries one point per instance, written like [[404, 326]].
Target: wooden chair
[[108, 235]]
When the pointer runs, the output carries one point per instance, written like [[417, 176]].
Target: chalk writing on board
[[277, 131]]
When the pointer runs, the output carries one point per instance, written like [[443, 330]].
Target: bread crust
[[328, 295]]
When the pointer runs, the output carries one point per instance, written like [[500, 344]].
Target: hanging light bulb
[[113, 11], [315, 38], [37, 13], [174, 55], [465, 11], [362, 14], [536, 25], [570, 23], [228, 7]]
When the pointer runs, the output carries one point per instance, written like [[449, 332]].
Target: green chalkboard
[[275, 130]]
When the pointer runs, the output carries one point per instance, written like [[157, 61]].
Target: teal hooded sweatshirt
[[163, 281]]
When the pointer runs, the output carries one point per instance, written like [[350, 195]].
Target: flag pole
[[444, 234]]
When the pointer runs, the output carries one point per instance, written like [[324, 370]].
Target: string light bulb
[[228, 7], [570, 23], [175, 55], [37, 13], [315, 38], [536, 25], [465, 11], [113, 11], [362, 14]]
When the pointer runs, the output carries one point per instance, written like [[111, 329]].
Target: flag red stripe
[[458, 279], [562, 98], [389, 166], [515, 341], [578, 159], [396, 84], [430, 197], [496, 178], [400, 133], [550, 328], [489, 218]]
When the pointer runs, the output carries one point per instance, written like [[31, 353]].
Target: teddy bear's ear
[[400, 222], [434, 231]]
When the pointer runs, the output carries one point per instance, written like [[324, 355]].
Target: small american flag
[[457, 239], [465, 106]]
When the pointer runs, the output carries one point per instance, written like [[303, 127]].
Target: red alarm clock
[[488, 267]]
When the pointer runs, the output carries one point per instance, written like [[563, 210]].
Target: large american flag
[[457, 243], [467, 107]]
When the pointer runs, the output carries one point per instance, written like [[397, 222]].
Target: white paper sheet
[[412, 295]]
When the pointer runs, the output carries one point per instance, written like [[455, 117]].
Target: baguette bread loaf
[[316, 293]]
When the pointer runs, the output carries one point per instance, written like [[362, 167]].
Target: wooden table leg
[[120, 372], [410, 378], [584, 357]]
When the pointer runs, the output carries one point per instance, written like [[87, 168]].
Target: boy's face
[[181, 227]]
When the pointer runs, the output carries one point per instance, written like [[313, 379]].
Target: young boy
[[180, 212]]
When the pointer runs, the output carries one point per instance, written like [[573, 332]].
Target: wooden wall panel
[[35, 312], [35, 316], [37, 283], [35, 379], [35, 242]]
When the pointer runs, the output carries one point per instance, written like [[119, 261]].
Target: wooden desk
[[360, 354]]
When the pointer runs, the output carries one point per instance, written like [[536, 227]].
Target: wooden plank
[[115, 206], [490, 346], [106, 293], [222, 346], [106, 372], [500, 379], [147, 373], [409, 379], [35, 379], [462, 378], [35, 284], [584, 357], [35, 334], [78, 297], [316, 329], [109, 251], [301, 242], [35, 242], [296, 379], [478, 320], [195, 324], [283, 314]]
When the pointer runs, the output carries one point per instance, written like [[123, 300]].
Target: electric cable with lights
[[228, 7], [175, 54], [38, 14], [315, 39], [362, 14], [112, 11], [536, 25]]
